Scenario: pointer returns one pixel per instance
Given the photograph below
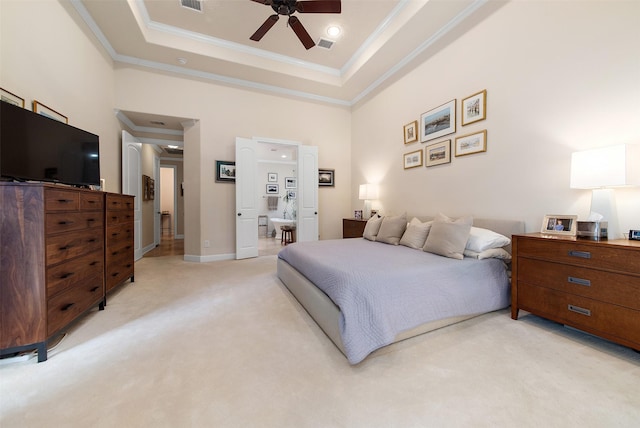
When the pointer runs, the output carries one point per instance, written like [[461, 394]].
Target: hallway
[[175, 247]]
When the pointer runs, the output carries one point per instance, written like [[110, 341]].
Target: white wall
[[560, 77]]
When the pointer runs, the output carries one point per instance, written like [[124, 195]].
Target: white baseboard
[[211, 258]]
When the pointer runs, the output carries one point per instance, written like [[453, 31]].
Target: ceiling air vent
[[192, 4], [325, 43], [174, 151]]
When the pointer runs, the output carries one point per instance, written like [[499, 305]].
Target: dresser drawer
[[118, 271], [118, 217], [616, 258], [61, 200], [623, 290], [66, 306], [605, 319], [70, 245], [119, 233], [76, 271], [66, 222], [91, 201]]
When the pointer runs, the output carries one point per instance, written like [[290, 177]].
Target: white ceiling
[[380, 40]]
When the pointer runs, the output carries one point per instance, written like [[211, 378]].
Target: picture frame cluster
[[441, 121]]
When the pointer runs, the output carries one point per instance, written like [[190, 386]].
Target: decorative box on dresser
[[119, 239], [51, 261], [593, 286], [353, 227]]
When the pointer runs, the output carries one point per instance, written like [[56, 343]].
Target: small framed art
[[474, 108], [42, 109], [272, 177], [357, 214], [472, 143], [292, 195], [438, 122], [290, 182], [225, 171], [272, 189], [413, 159], [554, 224], [438, 153], [11, 98], [411, 132], [326, 177]]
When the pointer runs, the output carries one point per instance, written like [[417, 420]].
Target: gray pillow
[[416, 234], [372, 227], [448, 238], [391, 229]]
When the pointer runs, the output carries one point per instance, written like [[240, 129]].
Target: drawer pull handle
[[66, 307], [94, 289], [579, 281], [115, 234], [89, 220], [66, 247], [128, 265], [115, 274], [65, 201], [114, 253], [92, 240], [581, 254], [93, 263], [65, 222], [579, 310], [66, 275]]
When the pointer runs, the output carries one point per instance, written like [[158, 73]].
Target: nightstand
[[593, 286], [353, 227]]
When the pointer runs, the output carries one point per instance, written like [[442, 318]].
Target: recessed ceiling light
[[182, 61], [283, 156], [333, 30]]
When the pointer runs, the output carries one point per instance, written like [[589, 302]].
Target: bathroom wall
[[282, 170]]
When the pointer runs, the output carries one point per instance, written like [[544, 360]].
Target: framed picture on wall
[[326, 177], [474, 108], [290, 182], [272, 177], [411, 132], [11, 98], [438, 122], [413, 159], [225, 172], [42, 109], [438, 153], [472, 143], [272, 189]]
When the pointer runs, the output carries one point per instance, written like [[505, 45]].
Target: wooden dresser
[[353, 228], [119, 240], [51, 261], [593, 286]]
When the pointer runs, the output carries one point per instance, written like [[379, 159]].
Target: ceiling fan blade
[[264, 28], [267, 2], [318, 6], [300, 31]]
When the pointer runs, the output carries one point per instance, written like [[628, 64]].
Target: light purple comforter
[[383, 290]]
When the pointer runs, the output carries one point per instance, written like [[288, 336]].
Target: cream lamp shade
[[368, 192], [601, 170]]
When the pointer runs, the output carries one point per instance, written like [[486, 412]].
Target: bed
[[365, 294]]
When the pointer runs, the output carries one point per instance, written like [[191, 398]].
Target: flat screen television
[[34, 147]]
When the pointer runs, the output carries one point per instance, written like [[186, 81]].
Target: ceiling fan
[[288, 7]]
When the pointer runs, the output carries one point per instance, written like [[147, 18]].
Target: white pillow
[[496, 253], [485, 239], [372, 227], [416, 234], [392, 229]]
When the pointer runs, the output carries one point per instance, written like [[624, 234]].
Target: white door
[[307, 194], [246, 199], [132, 184]]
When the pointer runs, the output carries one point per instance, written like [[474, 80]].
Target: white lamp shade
[[605, 167], [368, 191]]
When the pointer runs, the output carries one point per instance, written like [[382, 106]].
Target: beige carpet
[[225, 345]]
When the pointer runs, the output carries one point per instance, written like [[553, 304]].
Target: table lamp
[[368, 192]]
